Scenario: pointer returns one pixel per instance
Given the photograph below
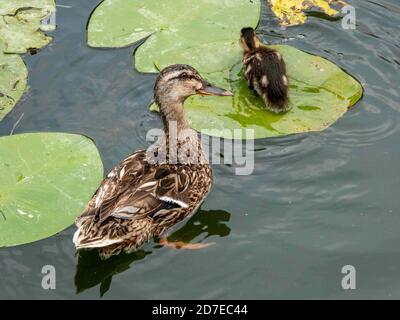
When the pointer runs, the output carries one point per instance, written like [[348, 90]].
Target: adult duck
[[153, 189]]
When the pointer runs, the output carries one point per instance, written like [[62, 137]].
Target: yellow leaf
[[291, 12]]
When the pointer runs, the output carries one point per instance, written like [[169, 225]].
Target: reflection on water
[[91, 270]]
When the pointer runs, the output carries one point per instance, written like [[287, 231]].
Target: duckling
[[265, 71], [153, 189]]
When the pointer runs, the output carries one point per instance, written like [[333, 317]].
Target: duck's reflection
[[91, 270]]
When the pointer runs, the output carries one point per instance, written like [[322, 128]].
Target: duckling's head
[[249, 40], [177, 82]]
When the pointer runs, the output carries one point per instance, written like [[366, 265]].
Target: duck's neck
[[172, 114], [180, 143]]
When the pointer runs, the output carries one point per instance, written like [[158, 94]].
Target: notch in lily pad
[[201, 34]]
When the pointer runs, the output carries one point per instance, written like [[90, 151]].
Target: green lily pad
[[320, 93], [20, 23], [202, 33], [13, 78], [46, 179]]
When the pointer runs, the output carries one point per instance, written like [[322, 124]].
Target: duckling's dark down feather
[[265, 70]]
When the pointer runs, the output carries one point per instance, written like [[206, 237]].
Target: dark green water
[[315, 202]]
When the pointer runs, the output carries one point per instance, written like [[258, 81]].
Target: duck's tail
[[116, 237]]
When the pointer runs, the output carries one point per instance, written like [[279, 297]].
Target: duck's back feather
[[137, 201]]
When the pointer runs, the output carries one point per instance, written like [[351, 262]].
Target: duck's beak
[[210, 90]]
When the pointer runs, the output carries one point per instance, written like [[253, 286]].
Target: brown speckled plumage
[[127, 209], [143, 197]]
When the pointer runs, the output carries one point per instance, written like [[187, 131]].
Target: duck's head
[[249, 40], [177, 82]]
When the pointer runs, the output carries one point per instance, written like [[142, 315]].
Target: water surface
[[315, 202]]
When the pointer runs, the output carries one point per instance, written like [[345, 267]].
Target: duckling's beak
[[210, 90]]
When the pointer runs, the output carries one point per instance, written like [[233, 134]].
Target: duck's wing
[[122, 180], [135, 191], [181, 189]]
